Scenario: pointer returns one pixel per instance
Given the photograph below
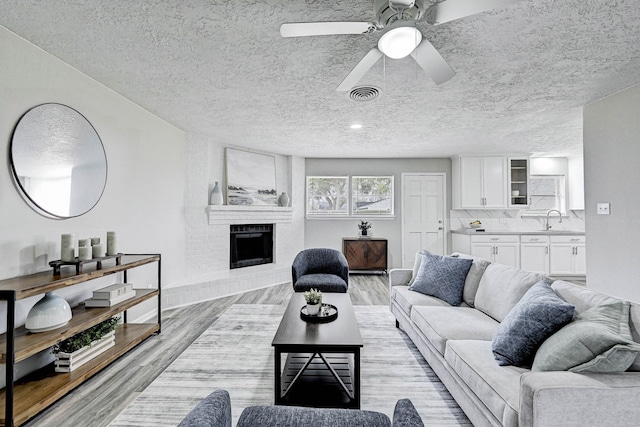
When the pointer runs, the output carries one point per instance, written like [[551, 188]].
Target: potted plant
[[84, 346], [313, 297], [364, 226]]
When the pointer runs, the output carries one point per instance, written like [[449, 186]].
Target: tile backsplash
[[512, 220]]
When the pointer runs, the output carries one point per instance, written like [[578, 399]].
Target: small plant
[[313, 296], [86, 337], [364, 225]]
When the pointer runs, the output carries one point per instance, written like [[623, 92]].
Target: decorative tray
[[327, 313], [78, 263]]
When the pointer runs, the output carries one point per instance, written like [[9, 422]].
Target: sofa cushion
[[440, 324], [442, 277], [407, 299], [501, 287], [474, 275], [498, 387], [322, 282], [537, 316], [288, 416], [598, 340], [213, 410], [405, 415], [584, 299]]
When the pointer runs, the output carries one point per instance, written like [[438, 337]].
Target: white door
[[423, 215], [483, 250], [561, 259], [507, 254], [580, 264]]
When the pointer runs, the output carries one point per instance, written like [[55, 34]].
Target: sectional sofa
[[457, 342]]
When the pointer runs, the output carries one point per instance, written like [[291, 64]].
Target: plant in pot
[[82, 347], [313, 297], [364, 226]]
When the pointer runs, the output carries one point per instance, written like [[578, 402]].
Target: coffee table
[[322, 367]]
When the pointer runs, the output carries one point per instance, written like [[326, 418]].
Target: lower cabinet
[[568, 256], [499, 249], [534, 253], [365, 254]]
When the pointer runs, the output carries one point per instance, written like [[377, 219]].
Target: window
[[372, 195], [546, 193], [328, 195]]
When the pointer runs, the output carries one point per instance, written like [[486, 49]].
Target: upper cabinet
[[518, 182], [479, 182]]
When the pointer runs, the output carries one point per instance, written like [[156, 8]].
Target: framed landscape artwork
[[251, 178]]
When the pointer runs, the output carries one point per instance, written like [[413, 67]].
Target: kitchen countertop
[[472, 231]]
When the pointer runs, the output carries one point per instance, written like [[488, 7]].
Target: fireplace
[[251, 244]]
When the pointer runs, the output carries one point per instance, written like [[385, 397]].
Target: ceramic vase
[[51, 312], [313, 309], [283, 200], [215, 198]]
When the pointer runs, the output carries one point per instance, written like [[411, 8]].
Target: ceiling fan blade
[[432, 62], [360, 70], [302, 29], [450, 10]]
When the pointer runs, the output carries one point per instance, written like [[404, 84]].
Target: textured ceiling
[[220, 68]]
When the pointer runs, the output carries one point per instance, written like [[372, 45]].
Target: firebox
[[251, 244]]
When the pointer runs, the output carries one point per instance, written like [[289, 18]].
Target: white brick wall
[[207, 245]]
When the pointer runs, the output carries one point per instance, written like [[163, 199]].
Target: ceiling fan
[[397, 20]]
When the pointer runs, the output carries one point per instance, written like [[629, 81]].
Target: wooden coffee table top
[[342, 332]]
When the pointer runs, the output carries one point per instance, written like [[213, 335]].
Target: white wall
[[143, 198], [329, 233], [612, 175]]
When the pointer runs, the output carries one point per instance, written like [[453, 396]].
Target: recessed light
[[356, 126]]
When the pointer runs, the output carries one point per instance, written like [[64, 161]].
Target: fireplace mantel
[[232, 214]]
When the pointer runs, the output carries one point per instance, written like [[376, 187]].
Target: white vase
[[215, 198], [313, 309], [283, 200], [49, 313]]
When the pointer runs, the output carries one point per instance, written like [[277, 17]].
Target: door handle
[[440, 228], [439, 221], [546, 250]]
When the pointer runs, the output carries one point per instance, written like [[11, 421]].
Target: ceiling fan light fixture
[[399, 42]]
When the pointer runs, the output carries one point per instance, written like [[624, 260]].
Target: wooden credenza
[[367, 254]]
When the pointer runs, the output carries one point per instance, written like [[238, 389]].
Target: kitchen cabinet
[[479, 182], [534, 253], [368, 254], [497, 248], [567, 256], [518, 182], [25, 398]]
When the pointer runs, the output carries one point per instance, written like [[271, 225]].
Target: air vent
[[364, 93]]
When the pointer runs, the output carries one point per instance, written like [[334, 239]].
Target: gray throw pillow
[[598, 340], [442, 277], [539, 313], [416, 267]]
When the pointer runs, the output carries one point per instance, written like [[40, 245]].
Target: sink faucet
[[547, 226]]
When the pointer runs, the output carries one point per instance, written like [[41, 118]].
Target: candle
[[95, 241], [97, 250], [67, 249], [84, 242], [85, 253], [112, 243]]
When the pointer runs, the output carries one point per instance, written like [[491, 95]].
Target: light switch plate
[[603, 208]]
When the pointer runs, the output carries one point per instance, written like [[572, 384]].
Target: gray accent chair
[[320, 268], [215, 411]]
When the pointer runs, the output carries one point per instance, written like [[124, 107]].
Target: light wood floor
[[98, 401]]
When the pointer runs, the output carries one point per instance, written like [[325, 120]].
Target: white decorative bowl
[[472, 225], [51, 312]]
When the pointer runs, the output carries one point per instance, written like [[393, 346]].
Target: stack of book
[[111, 295]]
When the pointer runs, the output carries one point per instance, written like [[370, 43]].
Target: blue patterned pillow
[[537, 316], [442, 277]]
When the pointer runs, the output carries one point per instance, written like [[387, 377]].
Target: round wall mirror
[[58, 161]]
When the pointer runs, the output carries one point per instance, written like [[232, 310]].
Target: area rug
[[235, 354]]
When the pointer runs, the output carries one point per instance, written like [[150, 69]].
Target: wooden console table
[[368, 254], [23, 399]]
